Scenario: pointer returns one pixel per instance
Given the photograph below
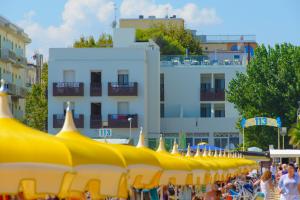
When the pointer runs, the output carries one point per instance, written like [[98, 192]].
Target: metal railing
[[117, 89], [205, 60], [121, 120]]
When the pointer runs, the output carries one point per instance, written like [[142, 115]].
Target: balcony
[[121, 121], [68, 89], [21, 61], [11, 88], [130, 89], [212, 95], [8, 55], [59, 119], [95, 89], [95, 122]]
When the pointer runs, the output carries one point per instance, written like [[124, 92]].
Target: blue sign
[[261, 121]]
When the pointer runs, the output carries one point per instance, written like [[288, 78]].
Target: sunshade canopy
[[30, 160], [98, 169]]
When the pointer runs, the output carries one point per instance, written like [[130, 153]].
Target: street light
[[283, 132], [130, 120]]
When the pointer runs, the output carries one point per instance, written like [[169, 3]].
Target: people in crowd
[[266, 184], [284, 169], [289, 184], [273, 170]]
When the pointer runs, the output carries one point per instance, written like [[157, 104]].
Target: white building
[[193, 100], [168, 94], [106, 86], [13, 64]]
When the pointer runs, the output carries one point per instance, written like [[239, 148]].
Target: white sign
[[105, 132]]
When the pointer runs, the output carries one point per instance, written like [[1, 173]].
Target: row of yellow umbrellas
[[69, 163]]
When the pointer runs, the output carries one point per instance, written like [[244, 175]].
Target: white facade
[[139, 62], [174, 96], [181, 104]]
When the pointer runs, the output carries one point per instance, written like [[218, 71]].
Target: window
[[189, 141], [96, 77], [226, 140], [162, 110], [72, 107], [152, 143], [219, 84], [123, 77], [96, 109], [123, 108], [219, 110], [205, 110], [69, 76], [162, 87]]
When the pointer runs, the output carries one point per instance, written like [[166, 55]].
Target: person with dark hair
[[279, 173], [289, 184]]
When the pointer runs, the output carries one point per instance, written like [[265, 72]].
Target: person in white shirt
[[273, 170]]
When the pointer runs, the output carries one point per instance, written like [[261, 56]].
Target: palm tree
[[294, 134]]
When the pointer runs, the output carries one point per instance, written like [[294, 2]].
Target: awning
[[284, 153]]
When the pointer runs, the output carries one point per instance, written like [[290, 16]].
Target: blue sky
[[57, 23]]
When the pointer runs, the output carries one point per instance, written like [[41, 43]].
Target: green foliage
[[294, 134], [172, 40], [105, 40], [36, 108], [270, 87]]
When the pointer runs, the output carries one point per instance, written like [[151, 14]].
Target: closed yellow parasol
[[143, 167], [30, 160], [98, 169], [176, 170]]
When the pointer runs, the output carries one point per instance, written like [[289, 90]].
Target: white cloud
[[79, 17], [194, 16], [91, 17]]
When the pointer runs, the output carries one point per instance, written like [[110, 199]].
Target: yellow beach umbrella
[[143, 167], [30, 160], [200, 168], [176, 170], [217, 168], [98, 169]]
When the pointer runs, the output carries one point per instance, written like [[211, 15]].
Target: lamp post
[[130, 120], [283, 132]]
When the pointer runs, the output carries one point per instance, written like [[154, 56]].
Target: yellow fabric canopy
[[143, 167], [98, 169], [176, 171], [30, 160]]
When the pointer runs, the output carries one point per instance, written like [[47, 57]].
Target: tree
[[270, 87], [294, 134], [36, 108], [172, 40], [105, 40]]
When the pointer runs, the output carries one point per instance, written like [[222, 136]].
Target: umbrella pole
[[175, 193], [161, 192], [142, 195]]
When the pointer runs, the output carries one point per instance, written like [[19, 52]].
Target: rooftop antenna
[[114, 23]]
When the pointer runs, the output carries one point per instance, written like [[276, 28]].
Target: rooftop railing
[[227, 38], [210, 59]]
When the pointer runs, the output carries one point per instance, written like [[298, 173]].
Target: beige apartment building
[[151, 21], [13, 64]]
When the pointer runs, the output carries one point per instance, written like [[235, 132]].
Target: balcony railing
[[212, 95], [121, 121], [8, 55], [58, 120], [68, 89], [95, 89], [211, 58], [11, 88], [130, 89], [95, 121], [21, 61]]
